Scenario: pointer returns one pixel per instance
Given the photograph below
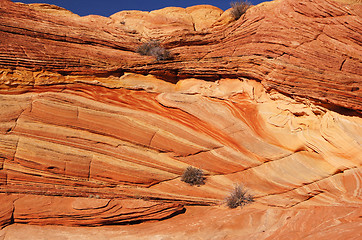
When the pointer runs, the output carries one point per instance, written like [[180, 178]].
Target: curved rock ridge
[[287, 45], [90, 211], [134, 142], [49, 9]]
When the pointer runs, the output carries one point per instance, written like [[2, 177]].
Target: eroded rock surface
[[288, 45], [85, 140]]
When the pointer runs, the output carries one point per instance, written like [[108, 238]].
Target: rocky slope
[[88, 138]]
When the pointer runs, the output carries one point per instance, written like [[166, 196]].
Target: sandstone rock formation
[[93, 134], [288, 45]]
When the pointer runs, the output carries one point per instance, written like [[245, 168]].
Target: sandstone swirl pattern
[[85, 140]]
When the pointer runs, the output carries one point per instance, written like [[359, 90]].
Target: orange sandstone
[[86, 140]]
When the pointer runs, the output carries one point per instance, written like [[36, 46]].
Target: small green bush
[[239, 8], [153, 48], [193, 176], [239, 197]]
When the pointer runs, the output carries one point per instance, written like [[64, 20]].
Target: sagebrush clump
[[153, 48], [239, 8], [239, 197], [193, 176]]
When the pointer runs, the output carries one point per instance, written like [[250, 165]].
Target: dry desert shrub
[[153, 48], [193, 176], [239, 8], [238, 197]]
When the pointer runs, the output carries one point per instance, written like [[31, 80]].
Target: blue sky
[[109, 7]]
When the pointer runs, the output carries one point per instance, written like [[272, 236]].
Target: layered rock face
[[94, 134], [288, 45]]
